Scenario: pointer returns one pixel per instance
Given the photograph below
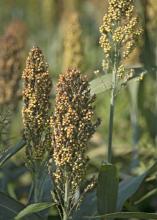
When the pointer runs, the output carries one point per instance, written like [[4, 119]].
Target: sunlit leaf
[[104, 83]]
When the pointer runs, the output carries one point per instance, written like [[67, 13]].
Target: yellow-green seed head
[[35, 112], [73, 50], [119, 32]]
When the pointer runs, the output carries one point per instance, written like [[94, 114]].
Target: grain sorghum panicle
[[18, 29], [36, 109], [72, 128], [73, 49], [12, 45], [119, 32], [151, 10]]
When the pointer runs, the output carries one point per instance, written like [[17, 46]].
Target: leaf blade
[[9, 208], [10, 152], [128, 187], [33, 208], [124, 215]]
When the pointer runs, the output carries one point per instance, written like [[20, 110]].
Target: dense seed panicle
[[11, 54], [36, 93], [73, 50], [72, 128], [120, 31], [18, 29], [151, 10]]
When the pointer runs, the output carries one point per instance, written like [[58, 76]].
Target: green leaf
[[101, 84], [33, 208], [10, 152], [127, 188], [104, 83], [147, 196], [88, 206], [9, 208], [127, 215], [107, 189]]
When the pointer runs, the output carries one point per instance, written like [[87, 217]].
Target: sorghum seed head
[[120, 31], [35, 112], [11, 58], [72, 128], [73, 50]]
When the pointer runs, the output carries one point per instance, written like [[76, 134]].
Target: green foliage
[[33, 208], [8, 153], [124, 215], [104, 83], [133, 196], [128, 187], [9, 208]]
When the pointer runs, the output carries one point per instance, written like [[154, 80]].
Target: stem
[[112, 106], [66, 205], [135, 137], [156, 86], [112, 103]]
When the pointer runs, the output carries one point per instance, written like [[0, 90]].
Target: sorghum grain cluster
[[12, 45], [36, 109], [72, 128], [73, 51], [119, 32]]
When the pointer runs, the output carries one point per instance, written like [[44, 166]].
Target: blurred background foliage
[[49, 24]]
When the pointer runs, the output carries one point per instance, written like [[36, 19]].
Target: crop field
[[78, 109]]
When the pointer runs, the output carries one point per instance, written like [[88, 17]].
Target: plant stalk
[[111, 118], [112, 106], [65, 211]]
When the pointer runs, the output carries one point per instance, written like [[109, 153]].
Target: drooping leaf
[[107, 189], [101, 84], [9, 208], [128, 187], [104, 83], [10, 152], [127, 215], [33, 208]]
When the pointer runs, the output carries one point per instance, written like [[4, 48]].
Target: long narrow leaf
[[10, 152], [33, 208], [127, 188], [127, 215], [9, 208]]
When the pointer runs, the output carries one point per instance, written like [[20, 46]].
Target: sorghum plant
[[119, 32], [73, 50], [11, 57], [12, 45], [18, 29], [151, 10], [72, 128], [36, 111]]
